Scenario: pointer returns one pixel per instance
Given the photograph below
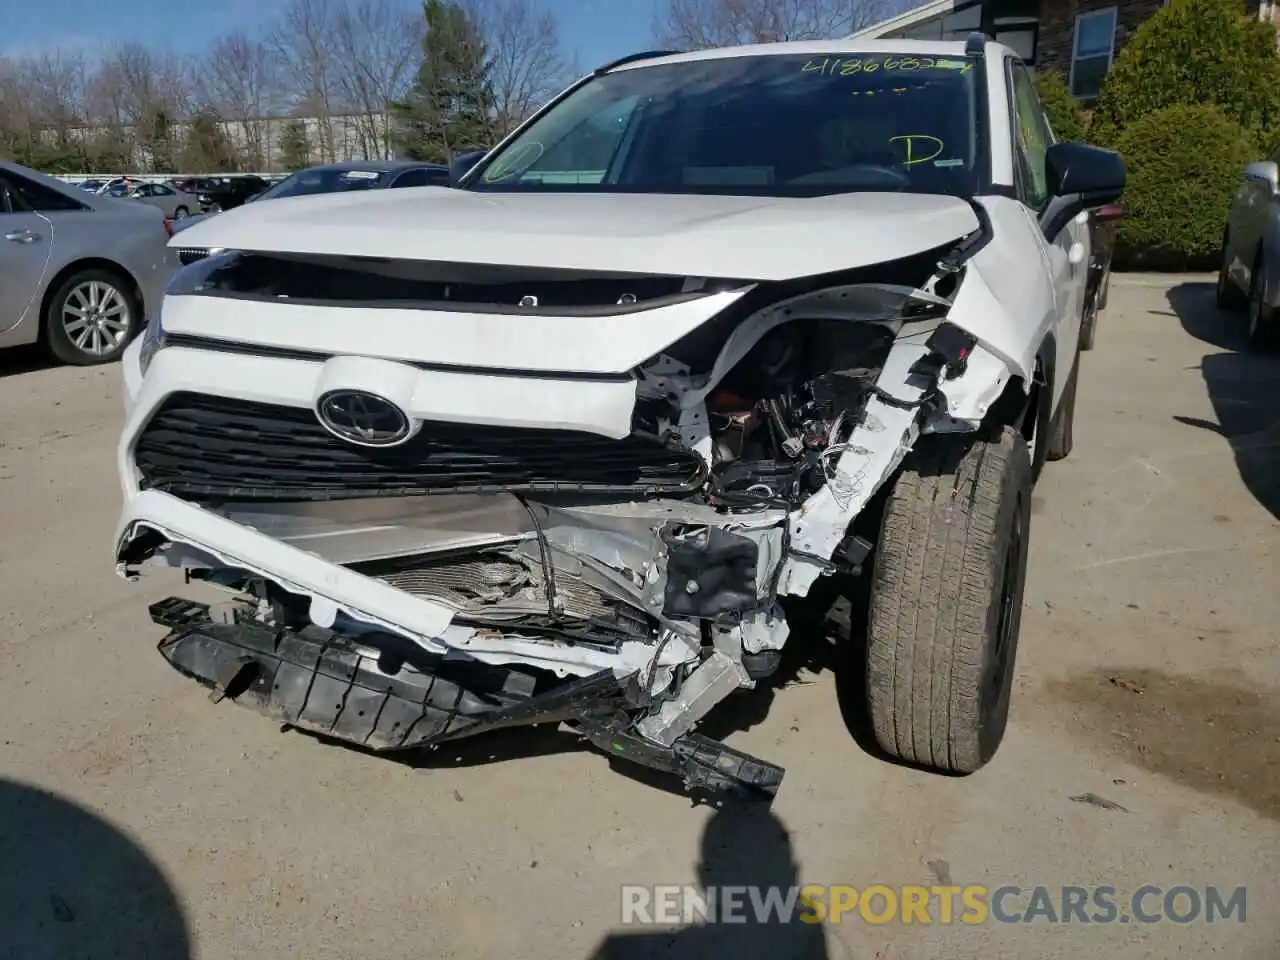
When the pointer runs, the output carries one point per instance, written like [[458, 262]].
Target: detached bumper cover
[[316, 681]]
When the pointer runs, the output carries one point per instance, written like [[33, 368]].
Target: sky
[[595, 31]]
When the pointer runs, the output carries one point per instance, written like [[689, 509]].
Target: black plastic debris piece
[[318, 680]]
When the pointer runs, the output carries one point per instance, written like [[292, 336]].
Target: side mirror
[[1081, 177], [1266, 173], [461, 165]]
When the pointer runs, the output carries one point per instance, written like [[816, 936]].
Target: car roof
[[91, 200], [812, 48], [41, 178]]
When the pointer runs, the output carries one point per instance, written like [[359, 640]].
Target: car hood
[[749, 238], [126, 206], [186, 223]]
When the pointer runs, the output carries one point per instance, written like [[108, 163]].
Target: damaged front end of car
[[469, 577]]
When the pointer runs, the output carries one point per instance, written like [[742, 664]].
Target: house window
[[1092, 50]]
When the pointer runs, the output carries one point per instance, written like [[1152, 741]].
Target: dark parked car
[[190, 184], [359, 175], [227, 192], [338, 178]]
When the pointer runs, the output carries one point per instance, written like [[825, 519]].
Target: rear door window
[[29, 195]]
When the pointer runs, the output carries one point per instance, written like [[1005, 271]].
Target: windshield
[[325, 181], [775, 125]]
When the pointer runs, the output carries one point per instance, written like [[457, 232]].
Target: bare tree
[[527, 65], [242, 83], [697, 24], [152, 93], [109, 119], [18, 122], [56, 83], [303, 44], [376, 49]]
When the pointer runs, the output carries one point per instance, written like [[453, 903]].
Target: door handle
[[22, 236]]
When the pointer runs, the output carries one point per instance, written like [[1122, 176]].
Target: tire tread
[[941, 546]]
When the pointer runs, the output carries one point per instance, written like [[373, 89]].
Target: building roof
[[921, 14]]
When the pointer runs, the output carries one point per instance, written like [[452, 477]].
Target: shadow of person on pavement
[[72, 885], [1244, 388], [743, 846]]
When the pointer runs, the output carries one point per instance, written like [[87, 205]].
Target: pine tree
[[449, 107], [208, 147], [155, 132], [295, 147]]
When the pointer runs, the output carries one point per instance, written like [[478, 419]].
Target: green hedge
[[1184, 166], [1061, 107], [1193, 52]]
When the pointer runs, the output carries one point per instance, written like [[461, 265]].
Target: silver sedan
[[175, 204], [77, 271]]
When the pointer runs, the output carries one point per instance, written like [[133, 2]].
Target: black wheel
[[1105, 289], [91, 318], [1262, 330], [1040, 426], [946, 600], [181, 213], [1059, 441], [1089, 325], [1092, 309], [1227, 294]]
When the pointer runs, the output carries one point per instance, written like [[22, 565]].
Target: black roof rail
[[632, 58], [975, 45]]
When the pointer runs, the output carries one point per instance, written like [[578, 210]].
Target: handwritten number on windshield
[[849, 66]]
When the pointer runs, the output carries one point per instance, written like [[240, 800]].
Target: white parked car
[[553, 444]]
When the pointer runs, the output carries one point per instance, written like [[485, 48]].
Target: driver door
[[1067, 254]]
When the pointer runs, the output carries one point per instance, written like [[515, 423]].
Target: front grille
[[189, 255], [216, 450]]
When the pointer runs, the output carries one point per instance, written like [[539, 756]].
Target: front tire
[[91, 318], [181, 213], [946, 600]]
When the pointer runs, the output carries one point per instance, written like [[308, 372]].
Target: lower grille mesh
[[215, 450]]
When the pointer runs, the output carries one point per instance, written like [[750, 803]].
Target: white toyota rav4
[[564, 442]]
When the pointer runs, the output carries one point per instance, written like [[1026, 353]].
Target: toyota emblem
[[363, 418]]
